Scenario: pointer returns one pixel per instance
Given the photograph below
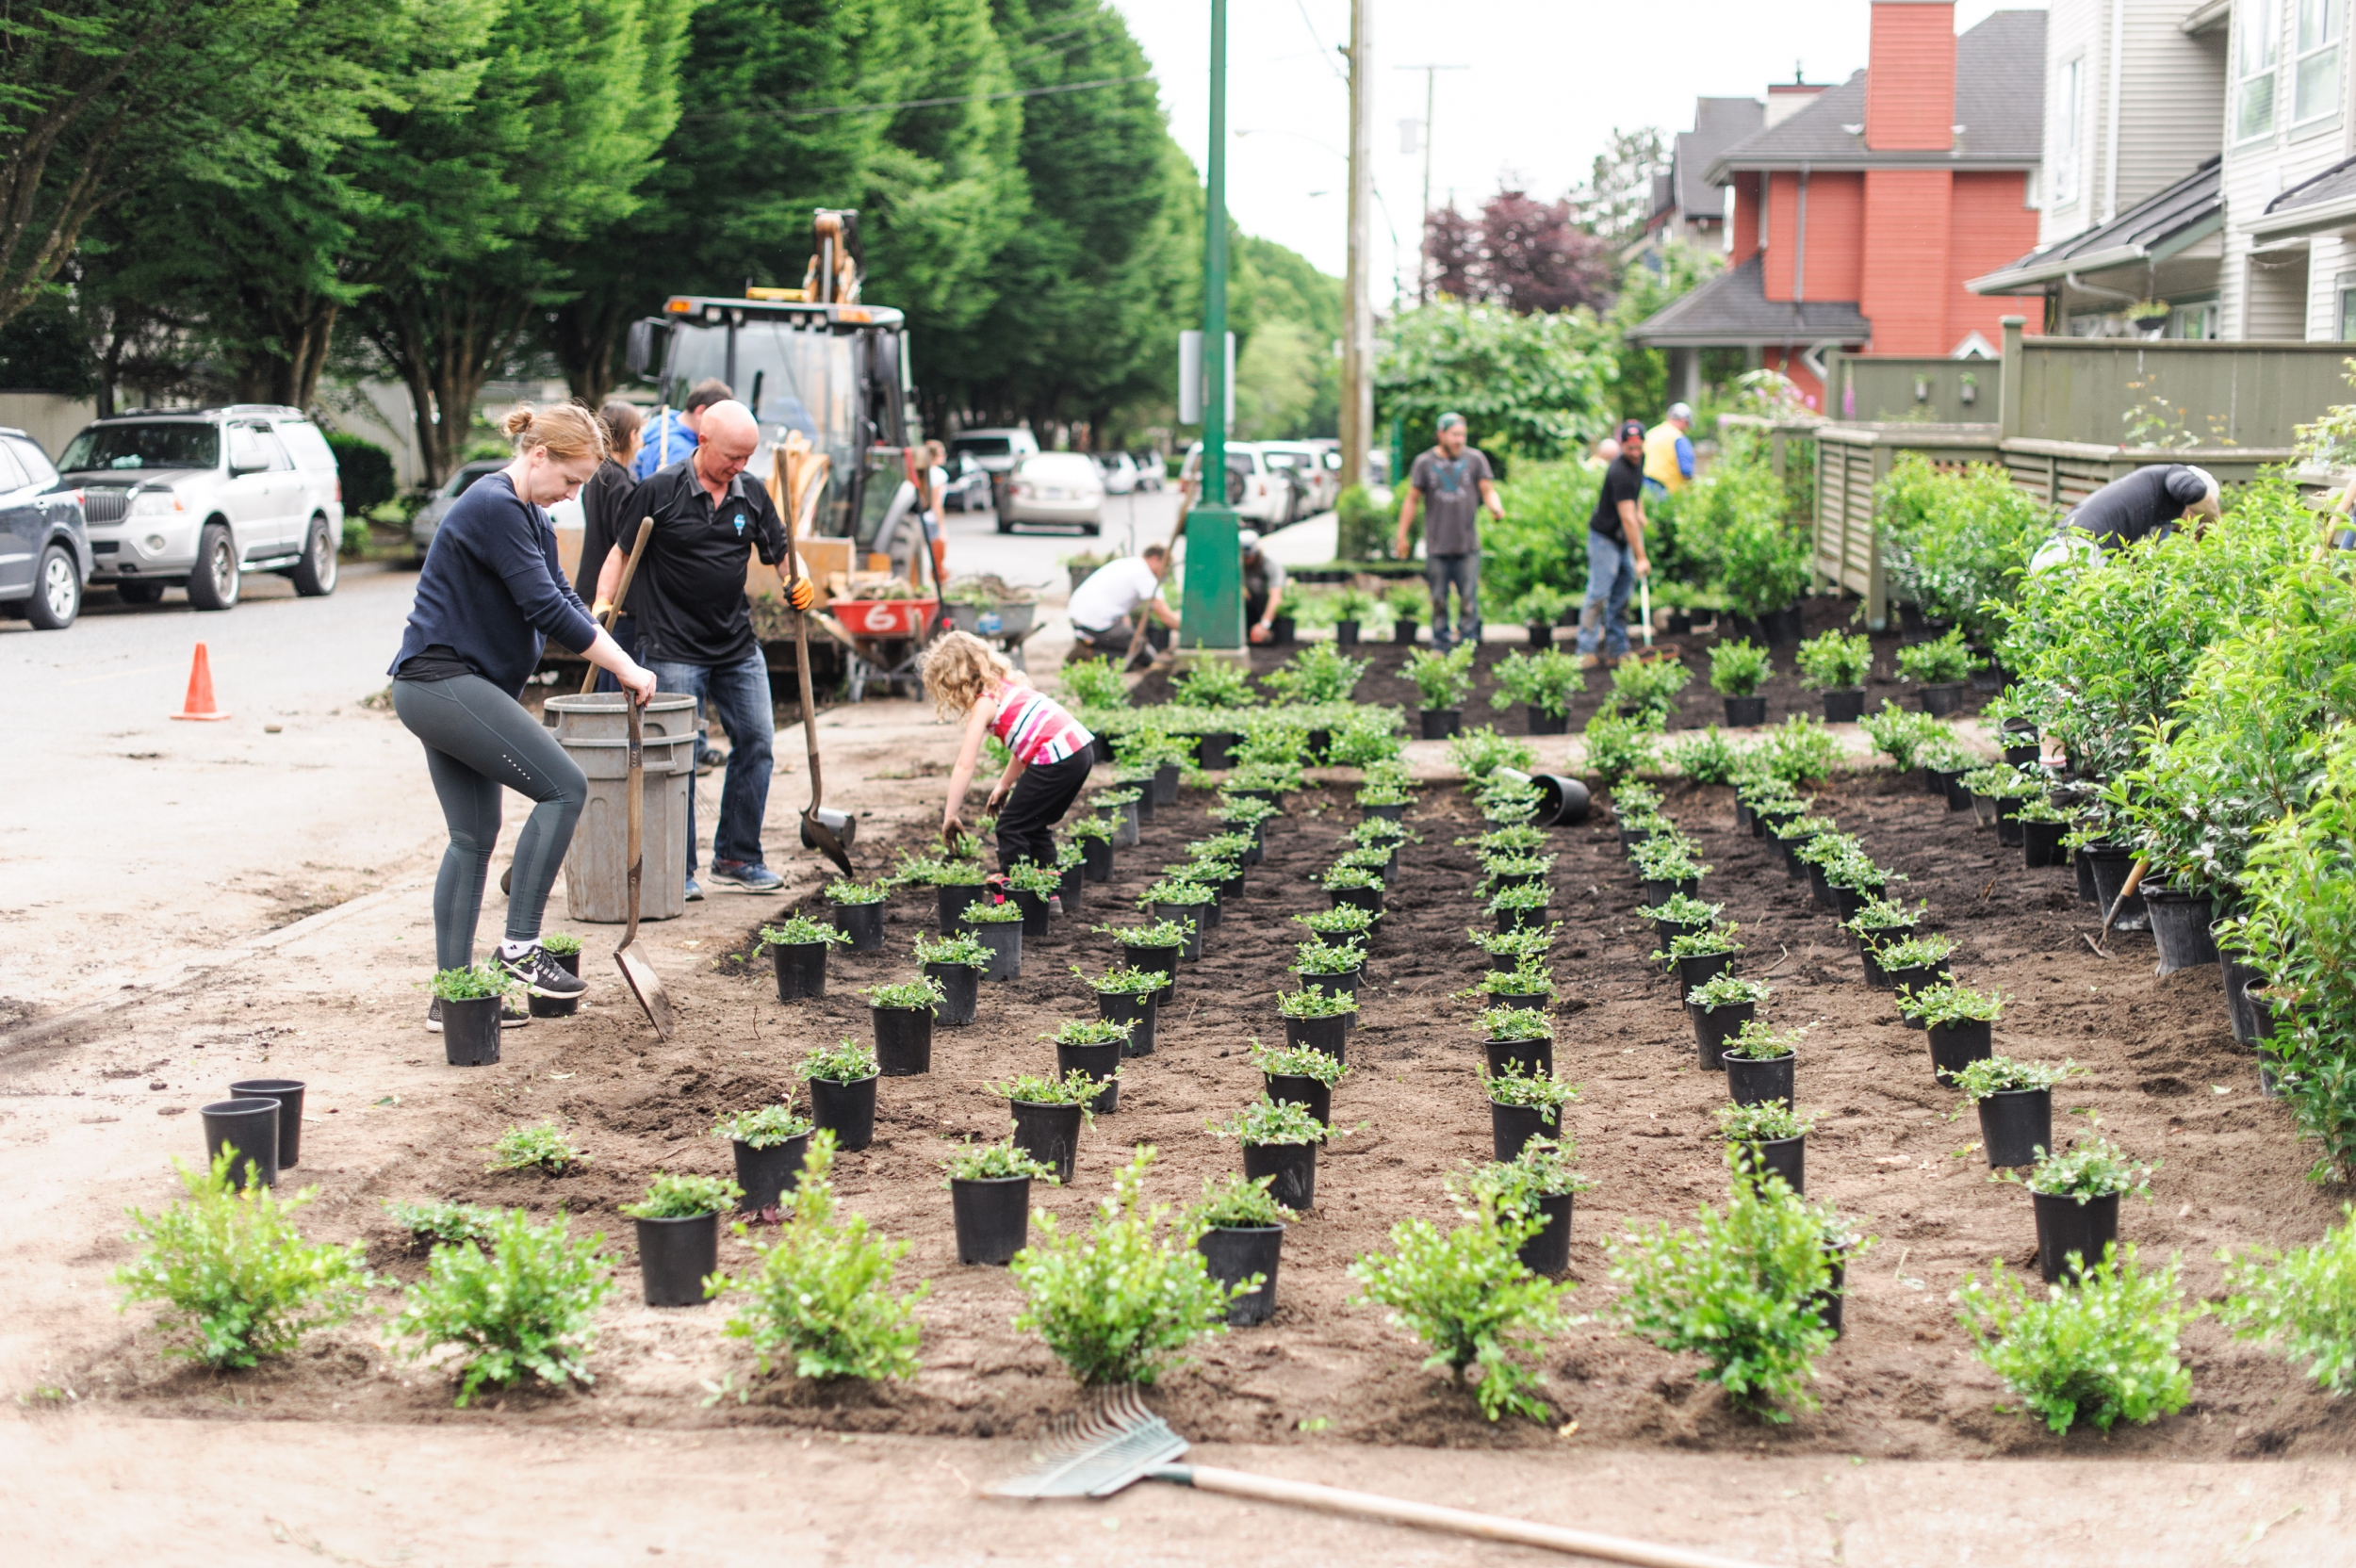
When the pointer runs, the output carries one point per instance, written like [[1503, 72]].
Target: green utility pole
[[1210, 613]]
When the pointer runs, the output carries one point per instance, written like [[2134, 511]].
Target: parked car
[[967, 489], [1054, 487], [1317, 483], [45, 556], [1153, 469], [1120, 472], [196, 499], [428, 521], [1259, 491], [995, 452]]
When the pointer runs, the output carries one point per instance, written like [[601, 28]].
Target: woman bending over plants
[[1051, 751]]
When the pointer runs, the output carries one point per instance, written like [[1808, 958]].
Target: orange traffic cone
[[200, 699]]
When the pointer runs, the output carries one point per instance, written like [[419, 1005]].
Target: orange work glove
[[802, 595]]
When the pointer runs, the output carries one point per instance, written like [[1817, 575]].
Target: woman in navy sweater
[[490, 594]]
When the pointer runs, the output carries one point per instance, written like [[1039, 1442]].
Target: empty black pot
[[1303, 1090], [904, 1040], [1535, 1057], [960, 986], [861, 923], [2180, 928], [1745, 712], [1004, 938], [2237, 977], [1756, 1080], [767, 1174], [847, 1109], [1049, 1134], [1136, 1010], [1102, 1063], [250, 1127], [2065, 1225], [1833, 1299], [1957, 1045], [1784, 1157], [1714, 1026], [674, 1256], [1293, 1165], [288, 1092], [1346, 635], [1511, 1126], [2040, 843], [1548, 1252], [951, 898], [1844, 705], [2014, 1124], [1234, 1253], [470, 1032], [993, 1217]]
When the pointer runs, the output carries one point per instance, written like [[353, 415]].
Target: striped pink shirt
[[1035, 726]]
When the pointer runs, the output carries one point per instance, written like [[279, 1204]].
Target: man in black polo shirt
[[696, 630], [1615, 551]]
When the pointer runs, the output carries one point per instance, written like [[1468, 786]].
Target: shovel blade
[[818, 836], [647, 987]]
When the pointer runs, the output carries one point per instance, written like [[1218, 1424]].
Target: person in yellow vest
[[1669, 452]]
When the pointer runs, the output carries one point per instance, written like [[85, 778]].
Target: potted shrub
[[2042, 825], [955, 883], [1524, 1106], [1352, 606], [1121, 805], [2015, 1100], [1049, 1113], [989, 1199], [1094, 835], [1837, 663], [1678, 913], [679, 1235], [1336, 966], [1721, 1006], [2075, 1193], [469, 1001], [1537, 1184], [1242, 1237], [1877, 921], [902, 1014], [1701, 956], [1280, 1140], [1029, 886], [857, 909], [1668, 868], [1301, 1074], [1155, 949], [1542, 683], [956, 965], [566, 949], [999, 928], [1142, 778], [1512, 949], [1770, 1139], [1531, 986], [1760, 1063], [1959, 1021], [1185, 903], [1093, 1047], [1442, 683], [1318, 1019], [1124, 995], [1518, 1035], [1915, 963], [769, 1144], [1071, 877], [1941, 667], [1737, 671], [1353, 884], [1538, 610], [1406, 602], [841, 1084], [1385, 798], [1522, 907], [1510, 870]]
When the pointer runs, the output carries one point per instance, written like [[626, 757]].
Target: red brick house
[[1858, 218]]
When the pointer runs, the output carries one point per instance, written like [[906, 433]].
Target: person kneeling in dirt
[[1111, 596], [1051, 751]]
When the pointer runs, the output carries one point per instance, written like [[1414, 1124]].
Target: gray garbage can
[[595, 732]]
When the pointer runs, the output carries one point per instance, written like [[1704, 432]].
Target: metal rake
[[1097, 1451]]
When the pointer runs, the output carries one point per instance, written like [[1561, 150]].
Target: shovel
[[636, 973], [2135, 880], [820, 829], [1644, 606]]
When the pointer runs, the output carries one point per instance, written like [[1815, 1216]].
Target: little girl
[[1052, 751]]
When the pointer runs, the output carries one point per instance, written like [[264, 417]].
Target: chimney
[[1910, 76]]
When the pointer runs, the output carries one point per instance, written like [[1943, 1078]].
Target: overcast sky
[[1547, 81]]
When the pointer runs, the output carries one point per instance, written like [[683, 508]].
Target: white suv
[[196, 499]]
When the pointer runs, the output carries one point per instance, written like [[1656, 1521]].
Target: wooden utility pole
[[1358, 340], [1423, 219]]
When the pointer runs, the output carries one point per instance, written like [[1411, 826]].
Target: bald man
[[696, 628]]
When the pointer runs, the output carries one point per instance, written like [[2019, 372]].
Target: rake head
[[1096, 1452]]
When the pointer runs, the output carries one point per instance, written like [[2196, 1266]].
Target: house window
[[2315, 71], [2064, 163], [2194, 322], [2255, 52]]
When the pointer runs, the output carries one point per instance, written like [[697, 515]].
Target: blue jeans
[[1464, 571], [1610, 577], [739, 693]]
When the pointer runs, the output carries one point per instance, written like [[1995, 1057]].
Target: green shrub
[[1214, 684], [1516, 1023], [1755, 1041], [995, 1162], [1643, 687], [234, 1274], [1320, 672], [2098, 1349], [2304, 1302], [964, 950], [1482, 751], [843, 890], [1236, 1202], [1090, 1031], [1538, 1091], [431, 1222], [1727, 990], [1160, 933], [1954, 542], [1121, 1303], [1618, 746], [365, 472], [763, 1128], [1545, 680], [847, 1061], [1939, 661], [1769, 1122], [543, 1148], [1707, 756], [525, 1307], [1362, 530], [1121, 980], [1037, 1088], [1308, 1002], [1297, 1061], [1800, 750], [1442, 679], [2002, 1075], [672, 1197], [472, 984], [921, 994], [1738, 669], [1703, 943], [1682, 909], [1521, 896], [562, 944], [983, 912], [1318, 956], [1523, 946], [1265, 1121], [1928, 951], [2091, 1169], [1094, 683], [1467, 1296], [1941, 1005], [1901, 735]]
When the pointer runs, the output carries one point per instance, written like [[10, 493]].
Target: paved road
[[1035, 557]]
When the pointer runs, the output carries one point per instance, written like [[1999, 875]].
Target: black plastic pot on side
[[1330, 1034], [1004, 941], [674, 1256], [847, 1109], [1096, 858], [2112, 863], [1548, 1252], [1303, 1090], [961, 985], [993, 1217], [250, 1127], [951, 898], [1957, 1045], [288, 1092], [1234, 1253], [1784, 1157], [1755, 1081], [904, 1040], [470, 1032], [556, 1006], [1101, 1063], [1701, 971], [2014, 1124], [1293, 1165], [2180, 928], [1511, 1126], [2065, 1226], [1440, 723], [1844, 705], [1162, 961], [767, 1174], [1714, 1026], [1536, 1056], [1137, 1011], [2041, 844], [1049, 1134], [1745, 712], [861, 923], [1540, 722]]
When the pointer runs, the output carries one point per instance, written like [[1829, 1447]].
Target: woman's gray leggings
[[478, 741]]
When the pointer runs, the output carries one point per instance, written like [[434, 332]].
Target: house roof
[[1999, 104], [1732, 310], [2325, 200], [1718, 125], [2153, 229]]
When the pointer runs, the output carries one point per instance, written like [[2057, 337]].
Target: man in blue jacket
[[673, 435]]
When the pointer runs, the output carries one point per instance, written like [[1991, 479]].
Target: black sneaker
[[513, 1015], [542, 975]]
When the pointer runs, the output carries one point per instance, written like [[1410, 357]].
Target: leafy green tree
[[1527, 385]]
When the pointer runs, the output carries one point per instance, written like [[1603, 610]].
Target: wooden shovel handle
[[2135, 880], [621, 593], [636, 813]]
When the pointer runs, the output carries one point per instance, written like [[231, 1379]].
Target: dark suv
[[44, 539]]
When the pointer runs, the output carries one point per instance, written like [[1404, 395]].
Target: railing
[[1911, 391], [2174, 396]]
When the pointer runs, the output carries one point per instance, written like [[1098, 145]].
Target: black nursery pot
[[1074, 889], [1234, 1253], [1049, 1134], [1162, 961], [961, 985], [2087, 893], [861, 923], [1951, 784], [951, 898], [2014, 1124], [250, 1128], [1511, 1126], [1293, 1165], [1211, 753], [1004, 941], [1369, 899], [1548, 1252], [1944, 698], [767, 1174], [1328, 1035], [1441, 723], [1034, 908], [1096, 858], [1701, 971], [1303, 1090], [2112, 864], [470, 1032], [1403, 631], [1540, 634], [1844, 705], [1342, 983], [2064, 1226], [1754, 1081], [1194, 917], [1346, 633], [2180, 928], [1101, 1063], [555, 1007], [2238, 976], [2008, 824], [847, 1109], [1523, 920], [1914, 977], [904, 1040], [1784, 1157], [1745, 712], [288, 1092], [1543, 722], [1166, 776], [1536, 1056], [1137, 1012], [1385, 813], [993, 1217], [1833, 1299], [2041, 844], [1956, 1046], [1714, 1026], [674, 1257]]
